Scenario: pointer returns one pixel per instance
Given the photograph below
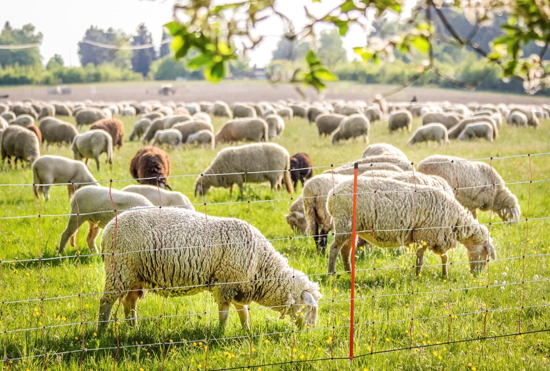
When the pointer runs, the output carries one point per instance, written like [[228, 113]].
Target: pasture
[[181, 333]]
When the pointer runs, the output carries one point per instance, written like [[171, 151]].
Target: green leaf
[[312, 59], [173, 27], [224, 48], [421, 44], [215, 72], [347, 6], [324, 74], [199, 61]]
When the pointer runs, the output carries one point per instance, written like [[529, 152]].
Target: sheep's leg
[[46, 192], [223, 312], [335, 248], [444, 259], [96, 158], [345, 252], [323, 241], [93, 232], [130, 306], [474, 213], [231, 191], [420, 260], [71, 191], [70, 231], [242, 310], [105, 307]]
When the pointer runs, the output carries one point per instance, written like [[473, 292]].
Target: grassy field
[[440, 315]]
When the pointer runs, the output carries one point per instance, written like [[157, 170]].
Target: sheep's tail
[[287, 179]]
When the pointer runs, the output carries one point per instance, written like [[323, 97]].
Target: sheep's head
[[201, 189], [297, 220], [302, 304], [479, 254], [507, 207]]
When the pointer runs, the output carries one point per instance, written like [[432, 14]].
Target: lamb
[[255, 130], [242, 110], [170, 121], [140, 127], [383, 149], [201, 137], [114, 127], [57, 131], [431, 132], [88, 116], [149, 134], [240, 268], [23, 120], [328, 122], [92, 144], [402, 213], [19, 143], [477, 130], [151, 165], [296, 217], [94, 205], [353, 126], [251, 163], [455, 131], [447, 120], [473, 182], [192, 127], [161, 197], [300, 168], [50, 170], [36, 132], [220, 109], [168, 137], [400, 120], [275, 125]]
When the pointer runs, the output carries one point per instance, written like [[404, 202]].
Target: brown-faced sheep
[[328, 122], [300, 168], [254, 130], [151, 165], [20, 143], [114, 127], [353, 126]]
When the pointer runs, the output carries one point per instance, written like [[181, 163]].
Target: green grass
[[390, 283]]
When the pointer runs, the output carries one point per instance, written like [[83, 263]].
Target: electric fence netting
[[384, 303]]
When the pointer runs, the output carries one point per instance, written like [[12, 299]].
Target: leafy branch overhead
[[219, 31]]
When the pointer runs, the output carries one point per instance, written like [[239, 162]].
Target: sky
[[64, 22]]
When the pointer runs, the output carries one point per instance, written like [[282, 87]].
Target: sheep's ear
[[309, 299]]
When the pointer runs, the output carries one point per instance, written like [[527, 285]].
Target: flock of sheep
[[434, 205]]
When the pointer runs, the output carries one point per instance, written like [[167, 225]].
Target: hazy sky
[[63, 22]]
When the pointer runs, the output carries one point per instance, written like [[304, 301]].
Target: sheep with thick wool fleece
[[296, 217], [92, 144], [201, 138], [477, 185], [391, 159], [140, 127], [431, 132], [20, 143], [161, 197], [247, 129], [220, 109], [57, 131], [226, 256], [94, 205], [455, 131], [276, 125], [378, 149], [363, 168], [251, 163], [400, 120], [356, 125], [167, 137], [392, 214], [477, 130], [328, 122]]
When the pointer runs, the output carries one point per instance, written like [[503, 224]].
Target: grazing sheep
[[532, 119], [455, 131], [478, 185], [151, 165], [56, 131], [447, 120], [349, 110], [23, 120], [286, 113], [149, 134], [161, 197], [153, 116], [46, 110], [114, 127], [50, 170], [300, 168], [240, 267], [92, 144], [8, 116], [298, 111], [201, 116], [390, 159], [24, 109], [517, 118], [62, 109], [220, 109], [242, 110], [275, 125], [140, 127], [364, 167], [36, 132], [296, 217], [373, 113], [402, 213], [20, 143], [192, 127], [3, 123], [353, 126], [422, 179], [251, 163], [95, 205], [201, 138], [170, 121], [313, 112], [400, 120], [477, 130], [383, 149], [88, 116], [254, 130], [128, 111], [193, 108], [205, 106], [167, 137], [328, 122], [431, 132]]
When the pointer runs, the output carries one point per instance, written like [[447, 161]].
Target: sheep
[[373, 113], [364, 167], [298, 111], [168, 137], [532, 119], [88, 116], [153, 116], [300, 168], [400, 120], [201, 137], [149, 134], [23, 120], [19, 143], [455, 131], [477, 130], [434, 131], [114, 127], [328, 122], [391, 214], [220, 109], [57, 131], [242, 110], [128, 111], [170, 121], [255, 130], [349, 110], [161, 197], [151, 165], [477, 185], [419, 178], [50, 170], [8, 116], [383, 149], [286, 113], [24, 109], [193, 108], [62, 109], [205, 106], [46, 110], [390, 159], [313, 112], [201, 116], [191, 127], [275, 125], [3, 123], [92, 144], [140, 127], [251, 163], [36, 132], [296, 217], [447, 120], [353, 126], [96, 205], [238, 269]]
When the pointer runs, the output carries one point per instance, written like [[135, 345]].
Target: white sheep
[[276, 125], [202, 137], [161, 197], [477, 130], [383, 149], [447, 120], [91, 145], [246, 129], [296, 217], [23, 120], [431, 132], [20, 143], [477, 185], [400, 120], [354, 126], [95, 205], [391, 214], [167, 137], [50, 170], [140, 127], [227, 257], [517, 118]]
